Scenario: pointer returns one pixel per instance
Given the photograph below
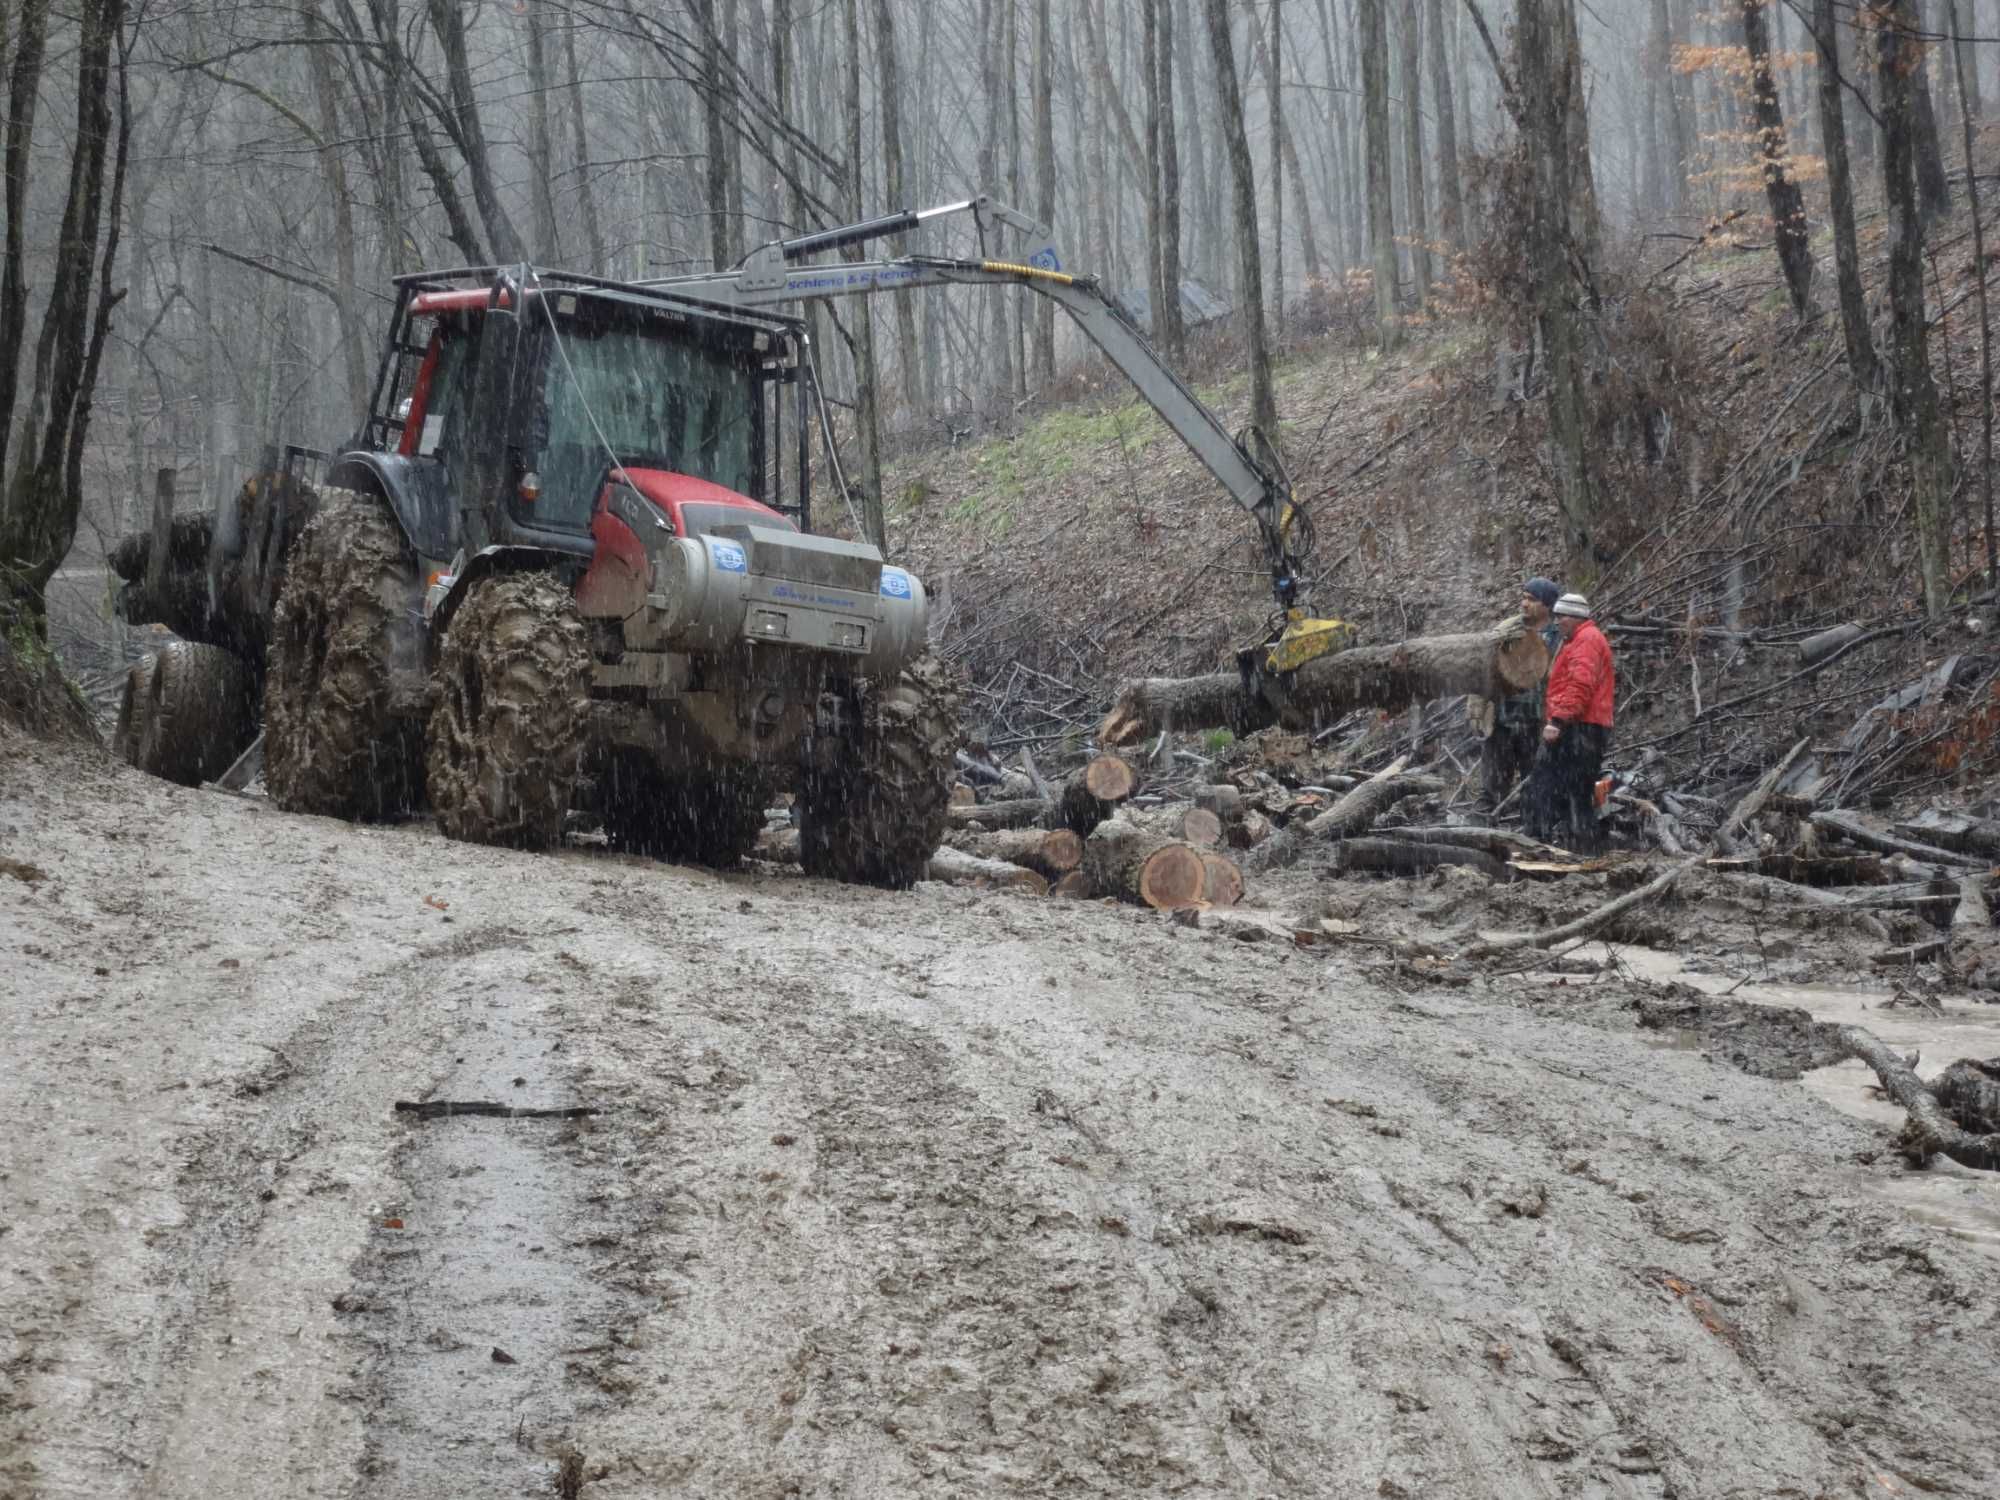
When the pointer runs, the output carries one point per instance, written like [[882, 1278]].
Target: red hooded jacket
[[1581, 682]]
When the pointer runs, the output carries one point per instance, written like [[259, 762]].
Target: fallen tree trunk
[[1930, 1131], [1497, 663], [1021, 812], [1498, 842], [1585, 925], [956, 867], [1856, 832], [1754, 800], [1396, 856], [1149, 869], [1354, 813], [1049, 852]]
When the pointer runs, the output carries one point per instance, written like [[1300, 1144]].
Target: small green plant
[[1218, 740]]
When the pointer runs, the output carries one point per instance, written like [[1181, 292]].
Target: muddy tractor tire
[[344, 692], [186, 713], [509, 709], [876, 815], [709, 820]]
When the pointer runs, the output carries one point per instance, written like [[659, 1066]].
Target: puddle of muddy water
[[1963, 1203]]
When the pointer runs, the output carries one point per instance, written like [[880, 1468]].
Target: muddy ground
[[928, 1194]]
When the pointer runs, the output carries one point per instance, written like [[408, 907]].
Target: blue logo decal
[[1045, 260], [728, 556], [895, 583]]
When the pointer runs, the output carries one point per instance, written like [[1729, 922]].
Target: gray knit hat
[[1573, 605], [1543, 591]]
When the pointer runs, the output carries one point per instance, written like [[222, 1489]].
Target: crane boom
[[1246, 464]]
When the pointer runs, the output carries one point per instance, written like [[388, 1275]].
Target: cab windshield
[[656, 401]]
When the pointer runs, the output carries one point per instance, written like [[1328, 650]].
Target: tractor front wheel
[[876, 815], [509, 706]]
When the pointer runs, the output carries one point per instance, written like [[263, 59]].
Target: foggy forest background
[[205, 202]]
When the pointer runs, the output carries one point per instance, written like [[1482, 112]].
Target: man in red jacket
[[1559, 803]]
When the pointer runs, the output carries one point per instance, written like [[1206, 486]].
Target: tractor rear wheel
[[345, 668], [186, 713], [706, 820], [876, 816], [509, 707]]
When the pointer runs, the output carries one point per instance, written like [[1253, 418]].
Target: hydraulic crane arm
[[1247, 465]]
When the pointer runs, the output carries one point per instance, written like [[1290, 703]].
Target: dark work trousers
[[1559, 803], [1505, 756]]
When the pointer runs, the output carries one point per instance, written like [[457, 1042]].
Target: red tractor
[[569, 562]]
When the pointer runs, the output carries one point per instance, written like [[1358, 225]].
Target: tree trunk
[[1840, 190], [1050, 852], [1451, 210], [1001, 368], [714, 132], [1263, 404], [1413, 152], [894, 185], [1493, 664], [1585, 222], [867, 427], [1045, 180], [1168, 325], [1547, 88], [593, 232], [1381, 193], [1149, 135], [1912, 393], [448, 19], [23, 93], [541, 148], [354, 342], [1788, 210], [1933, 187], [956, 867], [1680, 135], [1277, 133], [1287, 139], [1969, 93]]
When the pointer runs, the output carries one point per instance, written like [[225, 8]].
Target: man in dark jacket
[[1508, 750], [1559, 804]]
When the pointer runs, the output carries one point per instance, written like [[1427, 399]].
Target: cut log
[[1133, 864], [1960, 834], [1911, 954], [1095, 792], [1200, 826], [1815, 649], [963, 796], [1395, 856], [1499, 842], [1803, 869], [1049, 852], [1026, 812], [975, 769], [1075, 886], [1972, 921], [1855, 831], [1585, 925], [1496, 663], [956, 867], [1222, 879]]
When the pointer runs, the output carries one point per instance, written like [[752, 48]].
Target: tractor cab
[[508, 414]]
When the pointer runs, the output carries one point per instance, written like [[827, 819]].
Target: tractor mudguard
[[417, 490], [448, 590]]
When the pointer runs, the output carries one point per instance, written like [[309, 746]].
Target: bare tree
[[1913, 394], [1168, 325], [865, 415], [1840, 191], [1788, 210], [892, 176], [1381, 192], [1451, 209], [1263, 403]]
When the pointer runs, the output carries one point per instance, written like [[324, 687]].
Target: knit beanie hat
[[1543, 591], [1574, 605]]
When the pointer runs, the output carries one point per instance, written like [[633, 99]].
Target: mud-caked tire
[[710, 819], [343, 701], [186, 713], [874, 817], [510, 700]]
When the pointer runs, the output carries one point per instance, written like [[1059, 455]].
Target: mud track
[[894, 1194]]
